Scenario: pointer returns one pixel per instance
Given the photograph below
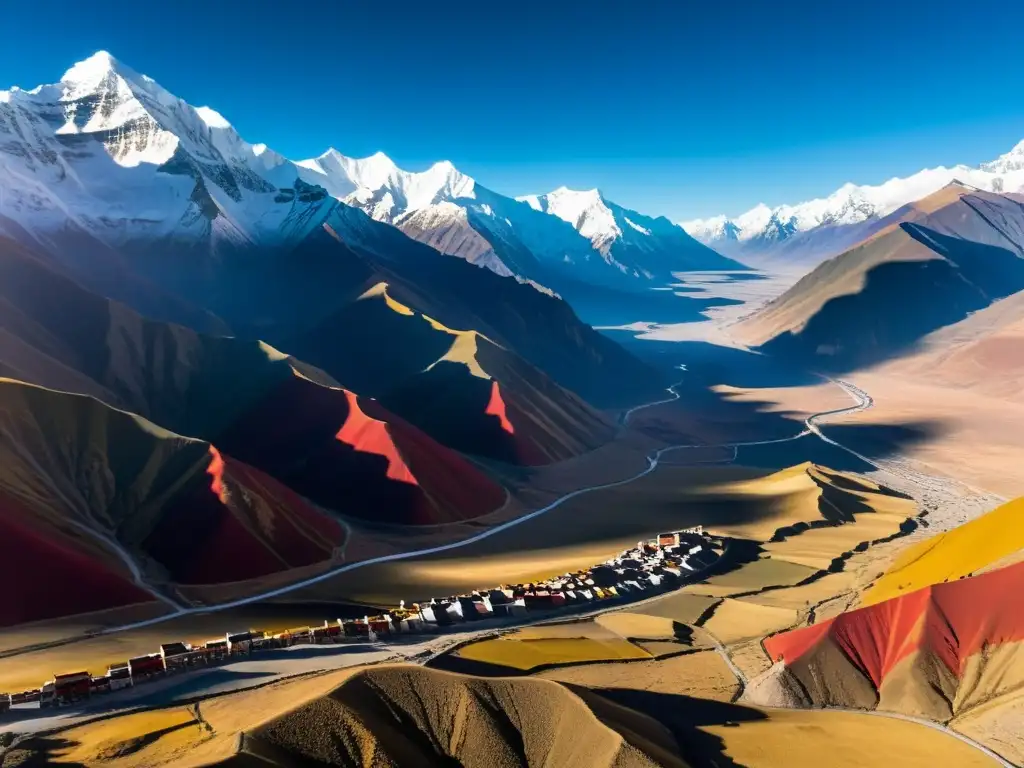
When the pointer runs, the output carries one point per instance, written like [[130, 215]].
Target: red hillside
[[952, 621], [351, 455], [238, 523], [53, 577]]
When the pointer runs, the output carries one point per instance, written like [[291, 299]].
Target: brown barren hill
[[983, 354], [412, 716]]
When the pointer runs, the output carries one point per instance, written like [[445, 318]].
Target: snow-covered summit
[[377, 176], [586, 210], [111, 155], [852, 203]]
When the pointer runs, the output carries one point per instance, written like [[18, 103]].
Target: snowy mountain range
[[108, 159], [763, 229]]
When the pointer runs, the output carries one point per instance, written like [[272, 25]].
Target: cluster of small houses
[[652, 566]]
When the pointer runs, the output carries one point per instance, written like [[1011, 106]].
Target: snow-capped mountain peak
[[87, 76], [376, 178], [586, 210], [212, 117], [1008, 163], [853, 204], [109, 154], [343, 175]]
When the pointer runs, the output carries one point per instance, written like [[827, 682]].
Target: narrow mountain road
[[130, 563], [862, 401], [106, 541]]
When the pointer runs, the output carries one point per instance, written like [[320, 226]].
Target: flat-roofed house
[[120, 676], [145, 667], [176, 656], [239, 642], [72, 687]]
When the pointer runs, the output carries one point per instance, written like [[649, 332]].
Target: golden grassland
[[811, 739], [959, 552], [700, 674]]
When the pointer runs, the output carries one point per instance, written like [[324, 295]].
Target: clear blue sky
[[673, 107]]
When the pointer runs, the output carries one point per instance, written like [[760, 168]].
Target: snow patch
[[213, 118]]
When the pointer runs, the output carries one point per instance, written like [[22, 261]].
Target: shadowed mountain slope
[[96, 486], [954, 253], [100, 485], [458, 386]]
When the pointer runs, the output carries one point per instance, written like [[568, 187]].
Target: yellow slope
[[959, 552]]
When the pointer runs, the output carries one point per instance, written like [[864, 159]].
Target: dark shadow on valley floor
[[684, 716]]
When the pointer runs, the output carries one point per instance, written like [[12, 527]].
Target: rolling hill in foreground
[[948, 255], [939, 634], [415, 716]]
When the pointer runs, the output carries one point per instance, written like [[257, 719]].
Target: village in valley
[[651, 568]]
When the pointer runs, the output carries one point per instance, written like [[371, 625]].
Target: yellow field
[[950, 555], [805, 595], [637, 625], [529, 654], [702, 674], [129, 739], [751, 577], [735, 620], [818, 547], [812, 739], [679, 606]]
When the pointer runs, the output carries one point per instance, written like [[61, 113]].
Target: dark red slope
[[953, 621], [234, 523], [353, 456], [48, 576], [467, 413]]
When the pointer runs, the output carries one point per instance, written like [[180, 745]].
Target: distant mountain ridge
[[809, 232], [933, 264], [109, 154]]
